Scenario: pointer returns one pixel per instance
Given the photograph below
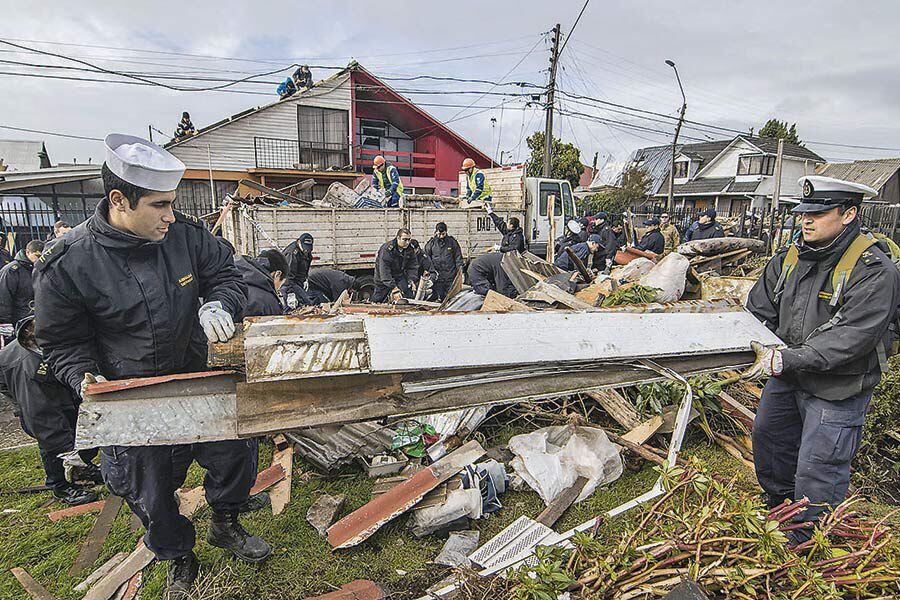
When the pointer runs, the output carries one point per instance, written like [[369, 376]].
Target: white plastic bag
[[634, 270], [551, 459], [668, 276]]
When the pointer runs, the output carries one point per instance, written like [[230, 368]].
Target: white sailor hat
[[142, 163], [819, 194]]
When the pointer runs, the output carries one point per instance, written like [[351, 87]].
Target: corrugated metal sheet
[[873, 173], [332, 446]]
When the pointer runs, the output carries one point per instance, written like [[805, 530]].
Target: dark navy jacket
[[111, 303], [262, 299], [16, 289], [445, 255]]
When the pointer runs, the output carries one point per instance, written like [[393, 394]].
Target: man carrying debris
[[669, 233], [705, 227], [302, 78], [447, 258], [652, 240], [120, 297], [478, 189], [47, 410], [486, 273], [833, 298], [603, 258], [583, 250], [386, 178], [16, 287], [513, 236], [396, 269]]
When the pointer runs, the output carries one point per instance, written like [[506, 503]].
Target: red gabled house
[[329, 132]]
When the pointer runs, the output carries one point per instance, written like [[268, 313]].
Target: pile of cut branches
[[709, 530]]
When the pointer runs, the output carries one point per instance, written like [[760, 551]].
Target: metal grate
[[519, 536]]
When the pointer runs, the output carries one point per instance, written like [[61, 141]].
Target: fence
[[782, 224], [29, 214], [278, 153]]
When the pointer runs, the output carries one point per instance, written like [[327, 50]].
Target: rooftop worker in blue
[[137, 290], [832, 297], [386, 178]]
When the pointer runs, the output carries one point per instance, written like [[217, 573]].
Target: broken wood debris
[[34, 589], [93, 544], [366, 520], [101, 571], [280, 494], [75, 511]]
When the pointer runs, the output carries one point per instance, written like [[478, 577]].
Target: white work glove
[[90, 378], [495, 248], [488, 208], [7, 329], [217, 323], [292, 301], [72, 461], [768, 363], [609, 264]]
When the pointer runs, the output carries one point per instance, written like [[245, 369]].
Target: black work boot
[[180, 578], [226, 532], [73, 495], [256, 502]]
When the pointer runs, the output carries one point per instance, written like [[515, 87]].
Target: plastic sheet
[[668, 276], [552, 458]]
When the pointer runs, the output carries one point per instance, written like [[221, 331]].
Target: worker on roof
[[286, 88], [386, 178], [185, 127], [477, 186], [138, 290], [302, 78], [833, 298]]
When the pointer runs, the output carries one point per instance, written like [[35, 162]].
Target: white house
[[733, 175]]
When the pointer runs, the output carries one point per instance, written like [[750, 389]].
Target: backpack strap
[[845, 265], [787, 266]]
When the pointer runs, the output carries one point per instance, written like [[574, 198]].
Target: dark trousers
[[53, 426], [383, 293], [148, 476], [440, 288], [803, 445]]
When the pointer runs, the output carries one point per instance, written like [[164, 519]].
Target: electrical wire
[[65, 135]]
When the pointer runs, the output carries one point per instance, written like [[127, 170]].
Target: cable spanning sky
[[71, 73]]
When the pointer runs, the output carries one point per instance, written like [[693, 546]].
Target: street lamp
[[671, 201]]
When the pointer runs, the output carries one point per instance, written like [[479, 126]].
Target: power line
[[574, 25], [65, 135]]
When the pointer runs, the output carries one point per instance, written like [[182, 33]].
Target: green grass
[[302, 563]]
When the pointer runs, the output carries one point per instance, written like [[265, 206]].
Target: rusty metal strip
[[119, 385], [366, 520]]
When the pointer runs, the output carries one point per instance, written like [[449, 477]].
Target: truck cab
[[537, 192]]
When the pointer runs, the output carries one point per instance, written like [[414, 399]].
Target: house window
[[681, 169], [756, 165], [324, 136]]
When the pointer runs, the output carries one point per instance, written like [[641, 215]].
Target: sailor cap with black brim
[[820, 194], [142, 163]]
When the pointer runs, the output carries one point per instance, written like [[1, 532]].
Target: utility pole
[[670, 204], [551, 89]]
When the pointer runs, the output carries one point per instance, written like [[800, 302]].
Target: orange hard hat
[[468, 163], [379, 160]]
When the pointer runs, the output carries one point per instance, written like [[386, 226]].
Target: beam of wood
[[737, 410], [92, 546], [618, 408], [34, 589], [74, 511], [561, 503], [586, 276], [268, 478], [495, 302], [366, 520], [549, 293], [141, 556], [227, 354], [280, 494], [101, 571], [644, 431]]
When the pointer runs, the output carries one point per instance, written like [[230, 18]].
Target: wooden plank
[[618, 408], [737, 410], [74, 511], [366, 520], [141, 556], [227, 354], [101, 571], [495, 302], [268, 478], [561, 503], [549, 293], [34, 589], [280, 494], [586, 276], [92, 546], [644, 431]]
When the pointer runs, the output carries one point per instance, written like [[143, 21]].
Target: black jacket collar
[[110, 237], [829, 255]]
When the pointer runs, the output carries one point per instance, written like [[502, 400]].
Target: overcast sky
[[831, 67]]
